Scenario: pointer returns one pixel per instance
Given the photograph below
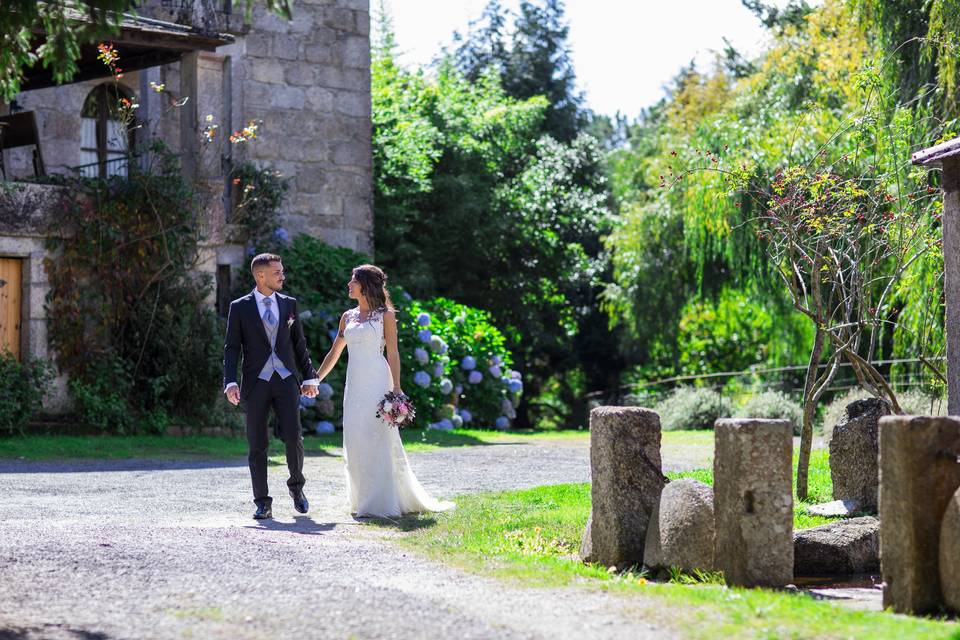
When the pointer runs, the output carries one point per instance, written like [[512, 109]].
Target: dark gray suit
[[246, 335]]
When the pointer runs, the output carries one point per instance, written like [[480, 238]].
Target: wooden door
[[10, 302]]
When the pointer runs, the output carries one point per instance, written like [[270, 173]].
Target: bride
[[379, 478]]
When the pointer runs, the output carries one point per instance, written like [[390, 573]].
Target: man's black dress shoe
[[299, 501], [264, 512]]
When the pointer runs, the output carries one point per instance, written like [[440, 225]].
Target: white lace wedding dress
[[379, 478]]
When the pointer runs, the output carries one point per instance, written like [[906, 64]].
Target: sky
[[624, 51]]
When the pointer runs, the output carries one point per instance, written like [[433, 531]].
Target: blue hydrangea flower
[[446, 386], [307, 402], [507, 408], [423, 319], [495, 371], [497, 360], [468, 363], [306, 314], [437, 344], [458, 389], [515, 386], [325, 427], [424, 335], [324, 391], [281, 235], [421, 355], [446, 424], [516, 375], [421, 378], [437, 370], [406, 296], [502, 423], [475, 377], [457, 421], [465, 415]]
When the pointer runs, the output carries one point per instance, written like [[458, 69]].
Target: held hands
[[233, 395], [309, 390]]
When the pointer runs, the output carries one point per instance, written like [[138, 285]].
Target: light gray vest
[[273, 364]]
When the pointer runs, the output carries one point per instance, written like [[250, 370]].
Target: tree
[[532, 60], [51, 33]]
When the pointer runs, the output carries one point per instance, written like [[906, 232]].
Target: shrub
[[775, 405], [22, 386], [469, 353], [692, 408]]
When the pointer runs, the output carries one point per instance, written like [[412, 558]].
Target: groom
[[265, 327]]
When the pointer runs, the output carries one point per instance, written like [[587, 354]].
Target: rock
[[950, 554], [918, 477], [842, 508], [753, 501], [682, 529], [838, 548], [854, 451], [626, 484]]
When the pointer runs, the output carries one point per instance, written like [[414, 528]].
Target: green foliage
[[451, 154], [732, 333], [22, 388], [692, 408], [772, 404], [123, 290], [532, 60]]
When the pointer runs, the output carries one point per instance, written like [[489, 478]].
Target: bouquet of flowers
[[396, 410]]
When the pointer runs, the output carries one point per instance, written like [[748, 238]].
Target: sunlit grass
[[532, 537]]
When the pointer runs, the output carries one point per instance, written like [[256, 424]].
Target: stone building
[[307, 80]]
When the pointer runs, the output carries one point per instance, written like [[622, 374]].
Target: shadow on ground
[[48, 631]]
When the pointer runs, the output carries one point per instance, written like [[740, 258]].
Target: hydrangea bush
[[456, 365]]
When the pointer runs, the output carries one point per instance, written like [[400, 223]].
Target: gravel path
[[137, 549]]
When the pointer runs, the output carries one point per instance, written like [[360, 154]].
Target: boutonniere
[[290, 320]]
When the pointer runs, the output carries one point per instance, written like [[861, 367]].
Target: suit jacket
[[246, 335]]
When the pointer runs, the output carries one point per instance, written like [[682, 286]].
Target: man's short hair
[[263, 260]]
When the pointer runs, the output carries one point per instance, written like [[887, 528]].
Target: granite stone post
[[626, 484], [919, 474], [753, 501]]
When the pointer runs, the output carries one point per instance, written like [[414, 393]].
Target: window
[[104, 144]]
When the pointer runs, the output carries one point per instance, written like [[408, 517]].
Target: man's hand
[[233, 395], [309, 390]]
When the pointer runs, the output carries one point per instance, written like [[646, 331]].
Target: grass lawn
[[532, 536], [54, 447]]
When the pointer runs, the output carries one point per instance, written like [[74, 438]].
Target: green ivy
[[22, 387]]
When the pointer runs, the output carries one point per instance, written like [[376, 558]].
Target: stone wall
[[309, 81]]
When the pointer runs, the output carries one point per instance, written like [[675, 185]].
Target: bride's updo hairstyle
[[373, 286]]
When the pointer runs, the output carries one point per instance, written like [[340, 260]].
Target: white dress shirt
[[262, 309]]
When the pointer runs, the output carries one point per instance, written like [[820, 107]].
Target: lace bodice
[[366, 331]]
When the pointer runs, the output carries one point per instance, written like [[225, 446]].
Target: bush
[[22, 386], [461, 344], [774, 405], [692, 408]]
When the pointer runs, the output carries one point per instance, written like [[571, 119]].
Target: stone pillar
[[627, 481], [950, 554], [753, 501], [918, 475], [854, 453]]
